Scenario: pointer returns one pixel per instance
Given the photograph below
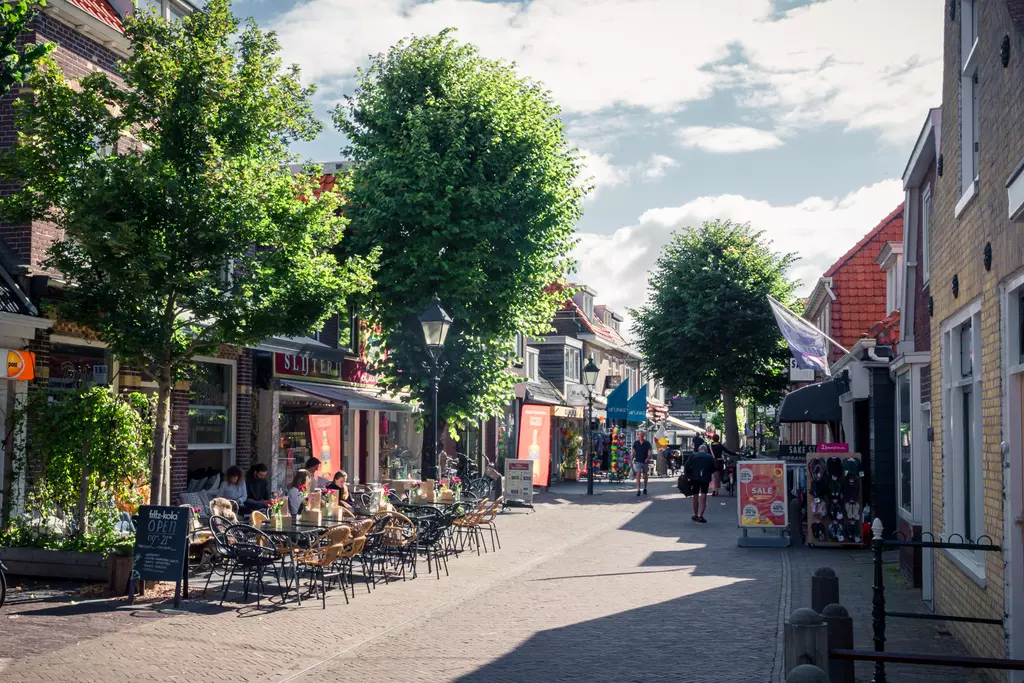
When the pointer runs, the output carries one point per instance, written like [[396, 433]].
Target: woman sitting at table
[[340, 484], [297, 491], [234, 487]]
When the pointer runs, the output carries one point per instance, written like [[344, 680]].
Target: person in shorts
[[700, 471], [641, 455]]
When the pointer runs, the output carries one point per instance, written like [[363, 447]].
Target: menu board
[[762, 493], [519, 481], [160, 543]]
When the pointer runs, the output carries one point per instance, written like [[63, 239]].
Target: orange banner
[[325, 442], [762, 499], [535, 441]]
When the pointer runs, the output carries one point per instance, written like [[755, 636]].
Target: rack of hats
[[835, 500]]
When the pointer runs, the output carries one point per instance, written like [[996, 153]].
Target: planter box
[[55, 564], [571, 474]]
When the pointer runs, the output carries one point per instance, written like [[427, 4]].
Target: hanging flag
[[808, 344]]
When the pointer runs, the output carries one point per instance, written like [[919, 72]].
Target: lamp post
[[590, 373], [435, 322]]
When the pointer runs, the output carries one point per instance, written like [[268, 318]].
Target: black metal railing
[[879, 614]]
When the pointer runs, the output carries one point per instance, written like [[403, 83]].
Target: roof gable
[[897, 214]]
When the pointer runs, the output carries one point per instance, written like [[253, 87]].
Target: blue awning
[[617, 402], [636, 407]]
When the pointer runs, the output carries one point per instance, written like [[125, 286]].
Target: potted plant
[[572, 442]]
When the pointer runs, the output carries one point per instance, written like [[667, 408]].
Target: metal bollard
[[807, 673], [824, 589], [806, 640], [840, 637]]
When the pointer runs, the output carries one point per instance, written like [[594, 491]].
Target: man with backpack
[[699, 472]]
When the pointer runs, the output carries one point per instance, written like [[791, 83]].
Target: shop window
[[905, 441], [348, 330], [400, 445], [572, 364], [533, 364], [210, 404], [78, 367]]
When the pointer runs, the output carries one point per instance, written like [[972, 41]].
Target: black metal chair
[[431, 528], [223, 557], [253, 553]]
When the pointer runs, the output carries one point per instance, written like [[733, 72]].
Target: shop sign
[[160, 547], [796, 450], [565, 411], [518, 484], [833, 448], [19, 365], [310, 369], [762, 494], [576, 395], [797, 373], [535, 441]]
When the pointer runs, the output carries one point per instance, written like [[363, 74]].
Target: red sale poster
[[762, 499]]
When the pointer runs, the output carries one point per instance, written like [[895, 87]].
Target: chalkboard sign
[[160, 543]]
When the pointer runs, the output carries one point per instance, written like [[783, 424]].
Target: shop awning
[[355, 399], [814, 403]]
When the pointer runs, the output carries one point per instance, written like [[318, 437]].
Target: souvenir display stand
[[835, 500]]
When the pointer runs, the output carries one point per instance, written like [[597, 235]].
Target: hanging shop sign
[[325, 433], [20, 365], [535, 441], [762, 494], [833, 448]]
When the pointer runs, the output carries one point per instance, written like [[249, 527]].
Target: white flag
[[808, 344]]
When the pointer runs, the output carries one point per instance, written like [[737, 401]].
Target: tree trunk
[[83, 490], [732, 432], [159, 486]]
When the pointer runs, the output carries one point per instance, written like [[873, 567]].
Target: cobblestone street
[[616, 589]]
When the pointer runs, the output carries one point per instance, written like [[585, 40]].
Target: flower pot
[[571, 474]]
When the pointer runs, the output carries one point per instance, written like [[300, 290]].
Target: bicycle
[[3, 584]]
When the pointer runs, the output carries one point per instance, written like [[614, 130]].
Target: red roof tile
[[102, 10], [897, 213]]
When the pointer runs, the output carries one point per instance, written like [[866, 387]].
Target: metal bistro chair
[[223, 555], [254, 552]]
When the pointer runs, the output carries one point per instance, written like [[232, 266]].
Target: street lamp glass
[[590, 373], [435, 324]]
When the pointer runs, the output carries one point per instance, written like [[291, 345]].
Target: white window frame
[[573, 363], [521, 347], [909, 376], [969, 102], [233, 400], [954, 390], [533, 364], [926, 218]]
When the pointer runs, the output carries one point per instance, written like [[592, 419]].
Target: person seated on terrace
[[297, 492], [340, 484], [233, 486]]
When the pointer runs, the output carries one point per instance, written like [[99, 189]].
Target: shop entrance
[[364, 450]]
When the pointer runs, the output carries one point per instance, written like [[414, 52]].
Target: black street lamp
[[435, 322], [590, 373]]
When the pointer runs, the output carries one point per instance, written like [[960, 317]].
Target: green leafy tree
[[464, 178], [196, 234], [707, 329], [16, 63]]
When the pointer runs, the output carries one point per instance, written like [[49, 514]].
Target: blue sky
[[795, 115]]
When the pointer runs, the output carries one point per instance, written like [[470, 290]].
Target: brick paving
[[612, 588]]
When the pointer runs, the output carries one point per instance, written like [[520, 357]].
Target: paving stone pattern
[[611, 588]]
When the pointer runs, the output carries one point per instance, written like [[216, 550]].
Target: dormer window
[[891, 261]]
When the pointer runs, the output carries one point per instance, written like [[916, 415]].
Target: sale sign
[[762, 493]]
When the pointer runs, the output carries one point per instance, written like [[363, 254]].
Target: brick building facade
[[976, 254]]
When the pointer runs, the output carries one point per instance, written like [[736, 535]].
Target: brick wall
[[179, 440], [244, 451], [957, 247], [78, 56]]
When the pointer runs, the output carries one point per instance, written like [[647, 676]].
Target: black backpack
[[684, 485]]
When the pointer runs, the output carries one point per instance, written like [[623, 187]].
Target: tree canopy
[[16, 63], [707, 329], [464, 179], [194, 233]]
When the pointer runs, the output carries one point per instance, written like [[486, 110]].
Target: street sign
[[762, 494], [799, 374], [576, 395], [519, 482]]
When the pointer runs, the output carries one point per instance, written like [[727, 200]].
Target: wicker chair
[[350, 550], [400, 542], [486, 521]]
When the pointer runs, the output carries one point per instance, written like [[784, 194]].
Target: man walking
[[641, 454], [700, 471]]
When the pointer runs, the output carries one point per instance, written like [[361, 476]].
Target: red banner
[[762, 499], [535, 441], [325, 443]]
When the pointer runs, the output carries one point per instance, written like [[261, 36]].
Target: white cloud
[[727, 139], [819, 229], [601, 172], [861, 63]]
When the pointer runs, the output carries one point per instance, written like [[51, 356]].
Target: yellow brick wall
[[957, 248]]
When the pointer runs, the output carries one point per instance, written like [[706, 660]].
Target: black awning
[[813, 403]]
